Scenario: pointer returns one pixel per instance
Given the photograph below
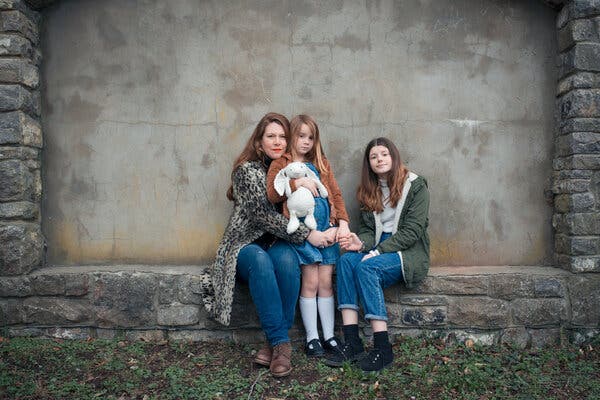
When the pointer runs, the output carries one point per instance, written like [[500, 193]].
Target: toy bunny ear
[[311, 174], [281, 181]]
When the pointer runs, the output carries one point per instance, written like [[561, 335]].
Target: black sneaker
[[344, 353], [376, 360], [314, 348]]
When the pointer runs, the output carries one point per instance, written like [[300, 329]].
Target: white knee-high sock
[[308, 309], [327, 315]]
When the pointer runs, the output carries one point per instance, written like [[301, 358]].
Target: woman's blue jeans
[[274, 280], [365, 280]]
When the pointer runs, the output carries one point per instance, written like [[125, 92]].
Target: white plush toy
[[301, 202]]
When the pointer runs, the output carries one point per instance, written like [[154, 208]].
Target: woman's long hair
[[369, 193], [253, 151], [316, 155]]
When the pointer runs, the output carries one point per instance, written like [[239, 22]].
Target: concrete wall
[[146, 103]]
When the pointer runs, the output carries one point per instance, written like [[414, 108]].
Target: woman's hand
[[331, 234], [343, 230], [318, 239], [350, 242], [309, 184]]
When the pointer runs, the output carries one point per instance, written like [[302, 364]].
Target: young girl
[[316, 293], [392, 244]]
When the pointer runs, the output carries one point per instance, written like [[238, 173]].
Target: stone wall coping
[[40, 4], [195, 269]]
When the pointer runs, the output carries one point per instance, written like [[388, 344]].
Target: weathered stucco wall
[[145, 105]]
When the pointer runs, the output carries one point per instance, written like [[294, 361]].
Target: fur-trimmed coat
[[253, 215]]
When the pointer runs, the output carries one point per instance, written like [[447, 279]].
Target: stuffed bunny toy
[[301, 202]]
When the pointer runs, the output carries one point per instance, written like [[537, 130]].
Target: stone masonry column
[[21, 239], [576, 164]]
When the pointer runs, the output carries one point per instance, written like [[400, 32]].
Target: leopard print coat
[[253, 215]]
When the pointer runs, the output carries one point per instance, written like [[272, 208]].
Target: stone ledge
[[156, 269], [193, 269], [526, 304]]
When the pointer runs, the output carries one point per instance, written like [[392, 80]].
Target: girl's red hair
[[316, 155], [369, 193]]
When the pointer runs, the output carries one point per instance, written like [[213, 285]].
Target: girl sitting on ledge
[[392, 244]]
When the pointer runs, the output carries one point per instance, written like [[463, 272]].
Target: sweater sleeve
[[414, 225], [250, 192], [276, 166], [366, 230], [336, 195]]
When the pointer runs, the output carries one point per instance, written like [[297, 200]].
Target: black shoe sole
[[378, 370], [334, 363], [314, 355]]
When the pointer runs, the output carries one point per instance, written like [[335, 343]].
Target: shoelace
[[345, 350], [374, 358], [277, 351]]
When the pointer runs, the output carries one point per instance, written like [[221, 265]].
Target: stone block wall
[[21, 239], [529, 306], [118, 301], [523, 305], [576, 186]]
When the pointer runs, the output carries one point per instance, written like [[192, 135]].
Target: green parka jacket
[[409, 238]]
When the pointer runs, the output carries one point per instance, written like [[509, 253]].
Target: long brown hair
[[369, 193], [316, 155], [253, 151]]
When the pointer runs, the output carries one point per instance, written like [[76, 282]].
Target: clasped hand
[[322, 239], [348, 242], [351, 242]]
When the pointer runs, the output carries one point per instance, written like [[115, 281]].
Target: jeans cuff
[[280, 342], [346, 306], [377, 317]]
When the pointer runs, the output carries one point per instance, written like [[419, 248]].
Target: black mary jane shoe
[[314, 348], [330, 345]]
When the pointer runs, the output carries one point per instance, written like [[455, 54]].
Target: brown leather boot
[[264, 355], [281, 363]]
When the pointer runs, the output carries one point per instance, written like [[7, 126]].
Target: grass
[[423, 369]]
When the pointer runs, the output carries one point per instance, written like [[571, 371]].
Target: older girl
[[392, 245]]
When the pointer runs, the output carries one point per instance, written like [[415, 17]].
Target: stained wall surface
[[146, 103]]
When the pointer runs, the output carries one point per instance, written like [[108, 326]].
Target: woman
[[392, 245], [252, 247]]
